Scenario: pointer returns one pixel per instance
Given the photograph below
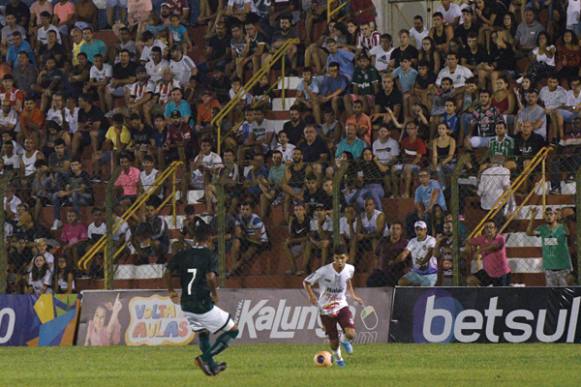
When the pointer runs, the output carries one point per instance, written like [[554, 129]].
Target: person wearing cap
[[178, 138], [492, 247], [556, 256], [462, 31], [424, 270]]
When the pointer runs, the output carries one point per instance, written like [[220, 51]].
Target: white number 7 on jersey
[[193, 271]]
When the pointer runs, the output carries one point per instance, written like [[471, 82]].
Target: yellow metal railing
[[279, 54], [332, 12], [539, 158], [139, 202]]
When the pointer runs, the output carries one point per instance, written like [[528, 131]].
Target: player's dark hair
[[340, 250], [201, 230]]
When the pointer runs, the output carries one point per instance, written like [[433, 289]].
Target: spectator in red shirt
[[31, 121], [178, 137], [413, 151]]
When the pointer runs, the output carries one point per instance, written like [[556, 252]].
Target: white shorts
[[556, 277], [214, 321]]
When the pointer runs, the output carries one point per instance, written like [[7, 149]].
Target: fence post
[[455, 207], [337, 202], [221, 229], [109, 247], [578, 222], [3, 252]]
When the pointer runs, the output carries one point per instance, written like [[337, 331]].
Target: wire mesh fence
[[276, 220]]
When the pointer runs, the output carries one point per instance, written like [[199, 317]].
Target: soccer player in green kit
[[197, 268], [556, 257]]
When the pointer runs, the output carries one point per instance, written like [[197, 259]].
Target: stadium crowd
[[495, 80]]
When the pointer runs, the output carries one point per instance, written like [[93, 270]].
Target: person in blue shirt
[[332, 87], [343, 57], [92, 47], [19, 45], [451, 119], [177, 102], [405, 75], [178, 34], [351, 143], [428, 194]]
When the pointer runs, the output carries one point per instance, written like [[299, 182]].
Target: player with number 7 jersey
[[197, 269]]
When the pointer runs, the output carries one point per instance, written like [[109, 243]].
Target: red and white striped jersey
[[163, 90], [368, 43]]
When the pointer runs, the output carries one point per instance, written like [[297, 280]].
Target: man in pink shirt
[[128, 180], [492, 247], [72, 235]]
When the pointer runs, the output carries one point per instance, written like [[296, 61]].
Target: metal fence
[[271, 232]]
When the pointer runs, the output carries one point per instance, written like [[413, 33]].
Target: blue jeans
[[444, 172], [373, 190], [77, 199]]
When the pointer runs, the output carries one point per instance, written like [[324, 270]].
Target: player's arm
[[309, 288], [168, 280], [213, 285], [354, 296]]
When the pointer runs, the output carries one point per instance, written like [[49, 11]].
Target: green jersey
[[555, 248], [192, 265], [501, 148], [365, 79]]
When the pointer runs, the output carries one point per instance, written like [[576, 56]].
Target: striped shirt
[[368, 42], [504, 147]]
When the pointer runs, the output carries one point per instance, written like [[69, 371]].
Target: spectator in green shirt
[[502, 145], [556, 257]]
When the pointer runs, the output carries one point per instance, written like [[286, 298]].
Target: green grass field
[[292, 365]]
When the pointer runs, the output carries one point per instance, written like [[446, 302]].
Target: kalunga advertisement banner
[[486, 315], [149, 317]]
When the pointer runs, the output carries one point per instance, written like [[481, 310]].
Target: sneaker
[[219, 368], [341, 363], [347, 346], [205, 367], [56, 225]]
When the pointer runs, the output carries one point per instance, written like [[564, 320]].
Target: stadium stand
[[287, 128]]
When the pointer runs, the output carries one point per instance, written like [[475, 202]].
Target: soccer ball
[[323, 359]]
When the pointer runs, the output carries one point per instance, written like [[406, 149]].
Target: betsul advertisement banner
[[149, 317], [46, 320], [131, 317], [486, 315]]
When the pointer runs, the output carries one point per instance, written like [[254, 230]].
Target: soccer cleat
[[340, 363], [205, 367], [219, 368], [347, 346]]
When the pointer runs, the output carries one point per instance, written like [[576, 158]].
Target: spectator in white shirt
[[494, 181], [554, 97], [182, 66], [418, 32], [8, 116], [381, 54], [99, 76], [457, 73], [451, 12], [156, 65]]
